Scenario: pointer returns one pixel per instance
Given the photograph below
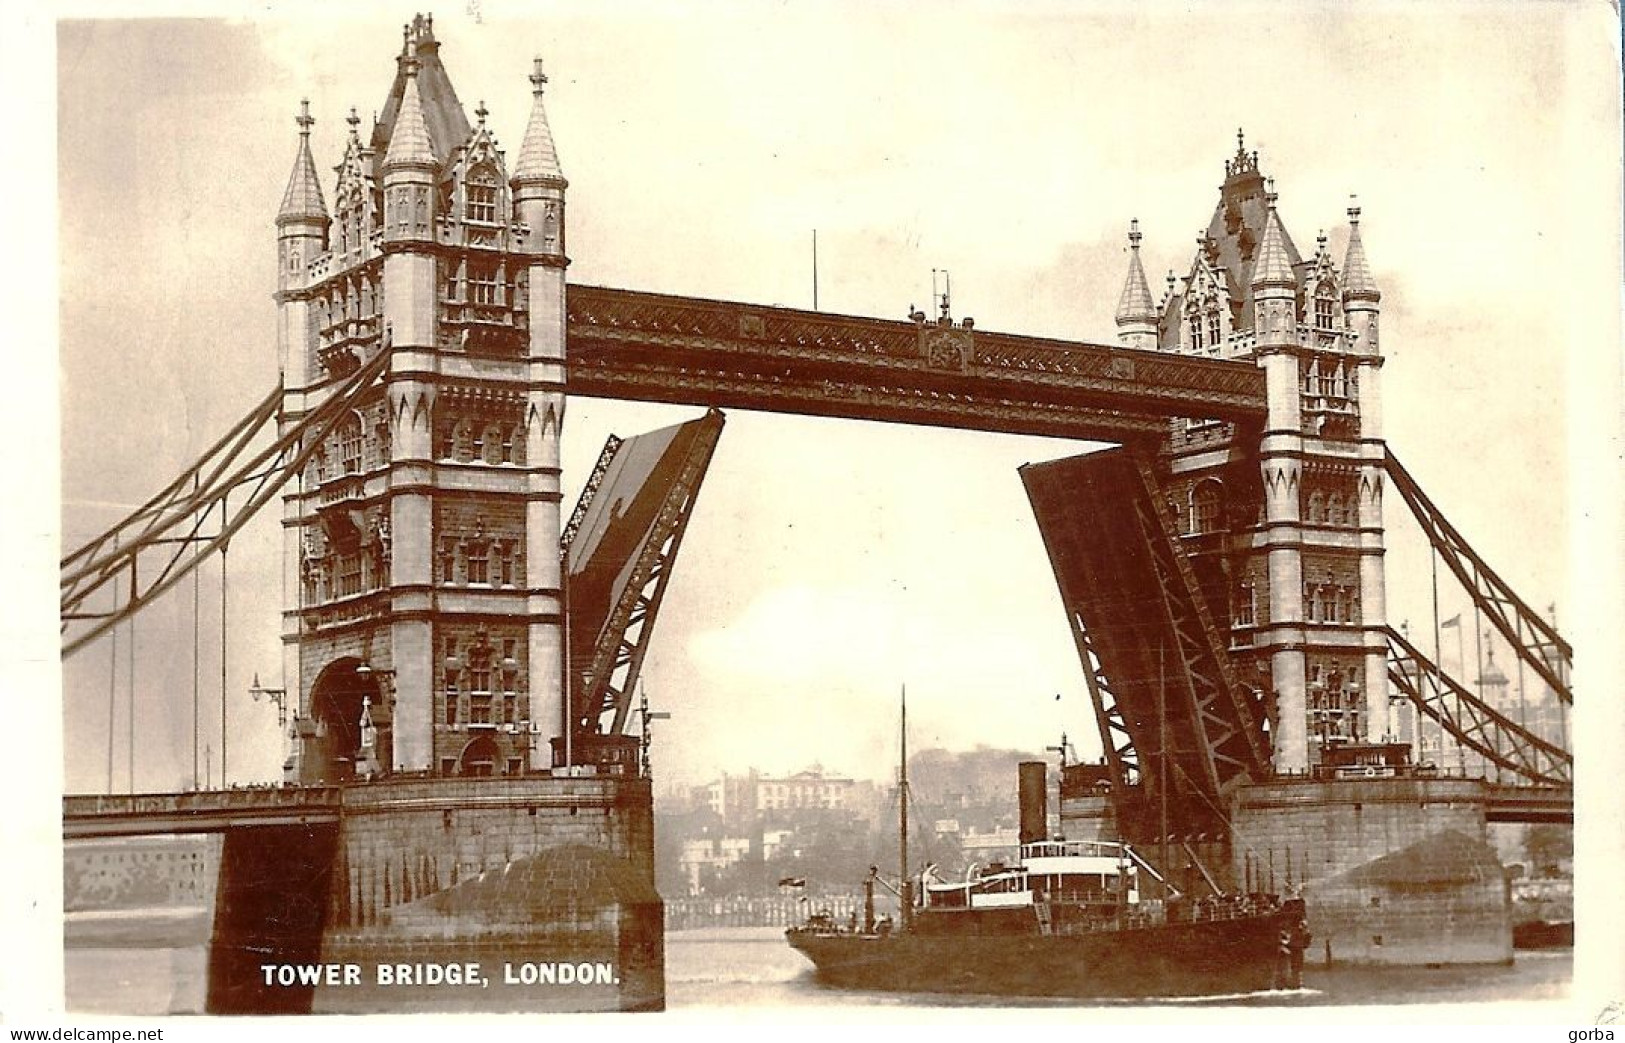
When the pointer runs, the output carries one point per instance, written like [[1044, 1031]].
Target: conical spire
[[303, 199], [409, 142], [1135, 305], [1273, 265], [1358, 285], [538, 160]]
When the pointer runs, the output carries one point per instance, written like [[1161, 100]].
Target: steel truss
[[1129, 590], [1534, 640], [1472, 722], [167, 537], [1122, 759], [1224, 715], [606, 686]]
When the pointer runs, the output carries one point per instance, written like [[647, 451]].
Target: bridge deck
[[654, 347], [86, 817]]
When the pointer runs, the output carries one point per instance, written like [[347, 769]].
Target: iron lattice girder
[[168, 533], [1535, 641], [1122, 759], [620, 637], [644, 346], [1129, 592], [1473, 722]]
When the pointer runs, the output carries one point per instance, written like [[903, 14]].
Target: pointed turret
[[1136, 311], [301, 237], [538, 183], [1361, 300], [303, 199], [1273, 267], [1358, 285], [538, 159], [409, 169], [410, 144]]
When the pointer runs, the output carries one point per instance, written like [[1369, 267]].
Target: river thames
[[753, 967]]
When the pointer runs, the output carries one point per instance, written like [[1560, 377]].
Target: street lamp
[[279, 696]]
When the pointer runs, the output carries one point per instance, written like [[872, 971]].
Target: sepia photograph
[[1091, 512]]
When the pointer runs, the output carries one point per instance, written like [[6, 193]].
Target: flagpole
[[1438, 655]]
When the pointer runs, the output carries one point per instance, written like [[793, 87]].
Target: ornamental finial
[[538, 78], [304, 119]]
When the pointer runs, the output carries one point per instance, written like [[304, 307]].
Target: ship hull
[[1182, 959]]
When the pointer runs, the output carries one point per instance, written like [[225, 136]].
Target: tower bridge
[[461, 661]]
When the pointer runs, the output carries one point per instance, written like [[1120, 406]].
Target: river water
[[753, 967]]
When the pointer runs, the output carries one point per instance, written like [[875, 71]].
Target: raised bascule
[[462, 784]]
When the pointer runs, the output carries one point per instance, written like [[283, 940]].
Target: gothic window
[[451, 702], [1213, 329], [505, 577], [1317, 509], [1245, 610], [462, 441], [403, 209], [448, 574], [482, 201], [550, 227], [1317, 612], [1196, 332], [349, 575], [478, 560], [1325, 309], [479, 680], [1334, 509], [491, 444], [1205, 507], [1338, 610], [451, 647], [451, 282], [507, 446], [367, 309], [1311, 379], [350, 444], [1340, 382], [479, 709], [482, 285]]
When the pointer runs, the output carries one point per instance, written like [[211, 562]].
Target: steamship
[[1066, 919]]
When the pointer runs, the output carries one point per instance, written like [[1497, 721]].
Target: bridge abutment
[[1394, 871]]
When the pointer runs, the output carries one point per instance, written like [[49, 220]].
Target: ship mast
[[905, 892], [1162, 782]]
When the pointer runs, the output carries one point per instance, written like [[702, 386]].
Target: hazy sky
[[829, 562]]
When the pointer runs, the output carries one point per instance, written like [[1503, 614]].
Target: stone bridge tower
[[1284, 524], [422, 610]]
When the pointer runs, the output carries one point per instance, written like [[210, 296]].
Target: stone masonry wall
[[1393, 870], [405, 838]]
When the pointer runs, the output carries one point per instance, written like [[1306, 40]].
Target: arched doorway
[[479, 757], [336, 702]]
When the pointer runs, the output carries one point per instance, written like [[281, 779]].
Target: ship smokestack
[[1033, 784]]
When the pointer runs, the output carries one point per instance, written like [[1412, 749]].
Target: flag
[[1453, 621]]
